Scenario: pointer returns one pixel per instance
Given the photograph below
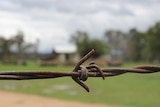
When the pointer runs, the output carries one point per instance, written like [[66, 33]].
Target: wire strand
[[80, 72]]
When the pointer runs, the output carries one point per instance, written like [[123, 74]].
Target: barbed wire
[[80, 72]]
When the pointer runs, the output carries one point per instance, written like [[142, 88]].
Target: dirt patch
[[9, 99]]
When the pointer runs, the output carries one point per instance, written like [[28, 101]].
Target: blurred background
[[55, 34], [121, 30]]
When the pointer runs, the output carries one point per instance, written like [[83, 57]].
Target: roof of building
[[65, 49]]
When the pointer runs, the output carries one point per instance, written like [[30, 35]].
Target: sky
[[54, 21]]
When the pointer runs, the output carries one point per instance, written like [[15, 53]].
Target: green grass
[[128, 90]]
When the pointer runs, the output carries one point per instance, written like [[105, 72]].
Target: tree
[[136, 45], [99, 46], [21, 47], [116, 40], [5, 45], [152, 47], [81, 40], [19, 41], [15, 49], [85, 44]]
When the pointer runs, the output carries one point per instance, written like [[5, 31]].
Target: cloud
[[54, 20]]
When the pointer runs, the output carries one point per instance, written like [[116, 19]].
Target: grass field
[[128, 90]]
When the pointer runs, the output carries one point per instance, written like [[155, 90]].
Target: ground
[[9, 99]]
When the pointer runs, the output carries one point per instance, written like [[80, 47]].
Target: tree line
[[16, 50], [133, 45]]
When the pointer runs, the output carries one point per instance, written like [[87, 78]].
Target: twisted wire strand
[[80, 73], [91, 72]]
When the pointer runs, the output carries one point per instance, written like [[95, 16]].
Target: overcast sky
[[53, 21]]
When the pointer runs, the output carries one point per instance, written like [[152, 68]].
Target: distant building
[[65, 53], [61, 55]]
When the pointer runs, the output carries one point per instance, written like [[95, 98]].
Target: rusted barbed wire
[[80, 73]]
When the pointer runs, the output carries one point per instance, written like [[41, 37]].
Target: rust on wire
[[80, 72]]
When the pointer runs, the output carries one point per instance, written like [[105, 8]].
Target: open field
[[128, 90]]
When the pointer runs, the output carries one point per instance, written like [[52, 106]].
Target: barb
[[80, 73]]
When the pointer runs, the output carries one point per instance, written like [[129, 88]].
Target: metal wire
[[80, 73]]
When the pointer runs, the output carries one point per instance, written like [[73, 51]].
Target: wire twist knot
[[83, 73]]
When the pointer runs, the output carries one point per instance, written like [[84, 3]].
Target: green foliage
[[152, 43], [14, 49], [136, 45], [99, 46], [116, 40], [5, 45], [85, 44]]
